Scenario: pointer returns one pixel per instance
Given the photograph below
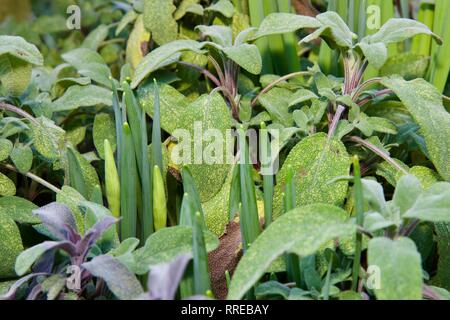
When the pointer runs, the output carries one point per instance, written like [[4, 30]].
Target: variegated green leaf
[[82, 96], [163, 56], [22, 157], [183, 120], [15, 74], [18, 209], [316, 162], [47, 138], [313, 226], [10, 246], [165, 245], [158, 19], [398, 266], [137, 44], [7, 186], [424, 102], [104, 128], [6, 147]]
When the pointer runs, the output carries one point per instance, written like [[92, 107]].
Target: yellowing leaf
[[15, 74], [137, 43]]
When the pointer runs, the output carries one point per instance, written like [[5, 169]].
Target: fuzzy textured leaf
[[162, 56], [400, 268], [21, 49], [158, 19], [302, 231], [22, 157], [279, 22], [333, 30], [10, 246], [6, 147], [315, 163], [224, 7], [119, 279], [7, 186], [247, 56], [424, 102], [166, 244], [82, 96], [104, 128], [180, 118], [89, 64], [18, 209]]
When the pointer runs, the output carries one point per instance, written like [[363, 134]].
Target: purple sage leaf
[[119, 279], [165, 278], [56, 217]]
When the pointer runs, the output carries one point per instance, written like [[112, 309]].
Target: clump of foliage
[[92, 205]]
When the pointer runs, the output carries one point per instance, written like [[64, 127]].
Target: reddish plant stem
[[378, 151], [429, 294], [20, 112], [377, 94], [406, 230], [363, 86], [218, 70], [204, 71], [358, 77], [340, 110]]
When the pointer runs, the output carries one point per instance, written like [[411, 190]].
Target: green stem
[[268, 180], [281, 79], [327, 284], [249, 218], [34, 177], [128, 186], [201, 274], [256, 11], [359, 208]]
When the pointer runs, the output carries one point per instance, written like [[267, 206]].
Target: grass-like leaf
[[128, 184]]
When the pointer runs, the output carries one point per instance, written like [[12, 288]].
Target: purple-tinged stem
[[20, 112], [363, 86], [377, 94], [429, 294], [218, 70], [206, 72], [409, 228], [358, 77], [379, 152], [337, 116]]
